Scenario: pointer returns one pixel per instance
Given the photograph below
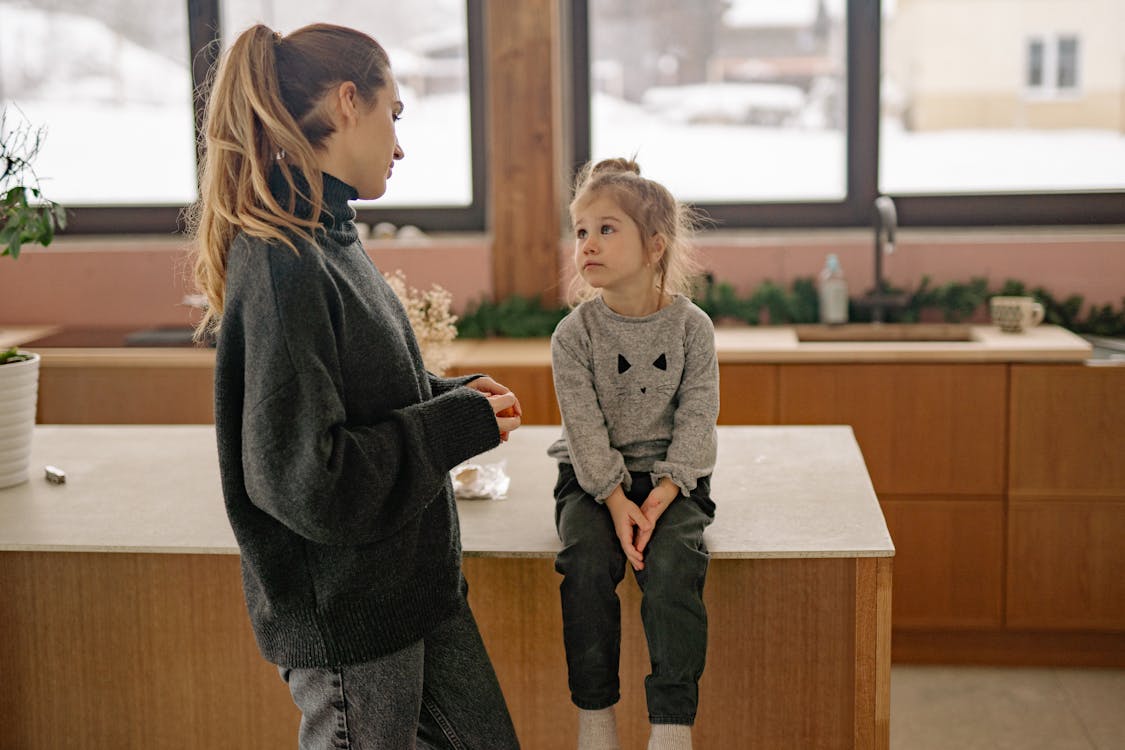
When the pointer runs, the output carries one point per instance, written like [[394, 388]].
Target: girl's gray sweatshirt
[[335, 446], [636, 394]]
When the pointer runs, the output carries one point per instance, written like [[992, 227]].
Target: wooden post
[[524, 127]]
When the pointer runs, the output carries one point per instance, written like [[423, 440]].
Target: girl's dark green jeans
[[672, 611]]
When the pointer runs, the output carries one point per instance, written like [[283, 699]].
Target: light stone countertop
[[734, 344], [779, 344], [780, 491]]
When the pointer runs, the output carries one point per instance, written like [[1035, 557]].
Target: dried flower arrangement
[[434, 325]]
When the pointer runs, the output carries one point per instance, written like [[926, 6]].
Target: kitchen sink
[[885, 332]]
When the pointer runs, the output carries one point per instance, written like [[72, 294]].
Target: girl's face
[[609, 251], [374, 143]]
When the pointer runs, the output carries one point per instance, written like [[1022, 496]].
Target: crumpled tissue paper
[[480, 481]]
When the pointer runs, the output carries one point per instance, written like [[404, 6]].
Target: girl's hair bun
[[609, 166]]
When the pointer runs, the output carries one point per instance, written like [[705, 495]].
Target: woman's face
[[374, 144]]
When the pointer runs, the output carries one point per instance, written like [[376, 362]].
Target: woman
[[335, 444]]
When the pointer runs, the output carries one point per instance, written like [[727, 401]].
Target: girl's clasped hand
[[634, 523]]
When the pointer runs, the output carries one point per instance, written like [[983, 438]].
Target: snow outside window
[[724, 102], [1009, 108], [110, 83]]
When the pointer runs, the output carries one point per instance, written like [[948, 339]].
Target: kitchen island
[[994, 458], [126, 627]]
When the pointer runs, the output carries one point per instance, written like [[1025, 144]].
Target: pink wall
[[111, 282], [124, 282]]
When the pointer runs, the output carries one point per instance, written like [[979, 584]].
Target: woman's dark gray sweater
[[335, 447]]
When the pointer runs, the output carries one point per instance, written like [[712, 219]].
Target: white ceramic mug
[[1013, 314]]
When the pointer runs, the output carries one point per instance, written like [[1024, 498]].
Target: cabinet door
[[747, 394], [125, 393], [1066, 514], [1065, 564], [931, 429], [949, 557], [1068, 431]]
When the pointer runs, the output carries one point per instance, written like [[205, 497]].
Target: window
[[110, 82], [1035, 64], [1068, 63], [1052, 65], [113, 83], [801, 113], [724, 102]]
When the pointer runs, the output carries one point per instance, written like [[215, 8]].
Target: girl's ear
[[656, 247]]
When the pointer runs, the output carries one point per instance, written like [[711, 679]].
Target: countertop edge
[[751, 345]]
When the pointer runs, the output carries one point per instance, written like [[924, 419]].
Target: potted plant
[[26, 219]]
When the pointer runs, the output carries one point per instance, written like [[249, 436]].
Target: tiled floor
[[985, 708]]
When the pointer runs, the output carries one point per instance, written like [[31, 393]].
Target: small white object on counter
[[480, 481]]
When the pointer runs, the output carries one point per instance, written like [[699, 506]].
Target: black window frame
[[205, 40], [863, 55]]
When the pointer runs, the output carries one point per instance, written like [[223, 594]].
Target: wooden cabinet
[[1065, 564], [949, 561], [934, 438], [792, 657], [934, 429], [747, 394], [126, 388], [134, 650], [1068, 431], [1066, 515]]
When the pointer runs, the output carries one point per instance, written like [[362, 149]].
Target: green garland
[[770, 303], [515, 317]]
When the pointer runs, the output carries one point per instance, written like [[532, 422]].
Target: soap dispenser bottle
[[833, 292]]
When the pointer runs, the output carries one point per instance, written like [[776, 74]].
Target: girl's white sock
[[670, 737], [597, 730]]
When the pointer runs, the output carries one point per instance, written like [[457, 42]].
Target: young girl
[[335, 444], [638, 385]]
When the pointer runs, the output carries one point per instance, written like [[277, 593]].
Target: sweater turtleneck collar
[[336, 215]]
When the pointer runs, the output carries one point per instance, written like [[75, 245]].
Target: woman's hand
[[505, 407], [662, 495], [629, 523], [508, 416]]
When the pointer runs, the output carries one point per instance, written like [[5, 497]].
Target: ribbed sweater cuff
[[459, 425]]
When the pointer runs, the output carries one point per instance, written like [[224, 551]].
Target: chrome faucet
[[886, 223]]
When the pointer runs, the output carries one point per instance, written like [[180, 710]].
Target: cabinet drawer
[[1065, 564], [949, 558], [928, 429], [1068, 430]]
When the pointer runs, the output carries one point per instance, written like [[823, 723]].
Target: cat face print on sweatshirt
[[644, 376]]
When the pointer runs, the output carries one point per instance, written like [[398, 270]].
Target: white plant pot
[[19, 387]]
